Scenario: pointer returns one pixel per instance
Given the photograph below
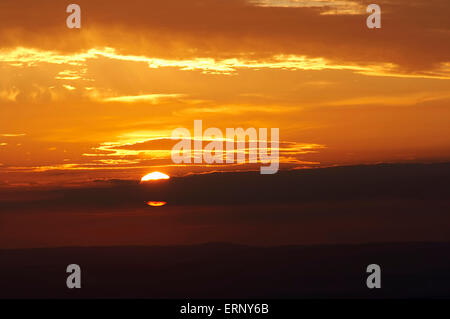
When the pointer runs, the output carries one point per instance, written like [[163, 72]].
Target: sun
[[156, 204], [154, 176]]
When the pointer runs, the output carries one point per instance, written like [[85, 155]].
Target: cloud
[[179, 30], [152, 98], [25, 57], [161, 148], [9, 94], [395, 100], [332, 6], [12, 134], [71, 74], [69, 87]]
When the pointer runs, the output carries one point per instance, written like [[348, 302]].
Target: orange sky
[[100, 102]]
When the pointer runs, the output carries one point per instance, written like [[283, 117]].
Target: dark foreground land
[[409, 270]]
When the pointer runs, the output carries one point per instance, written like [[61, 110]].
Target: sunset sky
[[101, 102]]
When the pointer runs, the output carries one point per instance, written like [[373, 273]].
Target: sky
[[101, 102]]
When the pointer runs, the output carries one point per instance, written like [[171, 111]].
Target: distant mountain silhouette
[[229, 271]]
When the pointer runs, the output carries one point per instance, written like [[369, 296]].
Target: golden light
[[156, 204], [154, 177]]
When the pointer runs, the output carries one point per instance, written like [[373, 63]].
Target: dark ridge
[[220, 270]]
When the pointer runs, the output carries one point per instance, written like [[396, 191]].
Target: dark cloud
[[414, 181], [414, 34]]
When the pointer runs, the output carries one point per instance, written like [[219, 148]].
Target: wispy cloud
[[332, 6], [12, 134], [9, 94], [21, 57], [69, 87], [398, 100], [152, 98]]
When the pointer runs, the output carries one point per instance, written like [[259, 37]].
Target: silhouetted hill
[[229, 271]]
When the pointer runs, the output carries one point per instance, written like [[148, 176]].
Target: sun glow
[[154, 176], [156, 204]]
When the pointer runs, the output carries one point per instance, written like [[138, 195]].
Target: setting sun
[[156, 204], [154, 176]]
